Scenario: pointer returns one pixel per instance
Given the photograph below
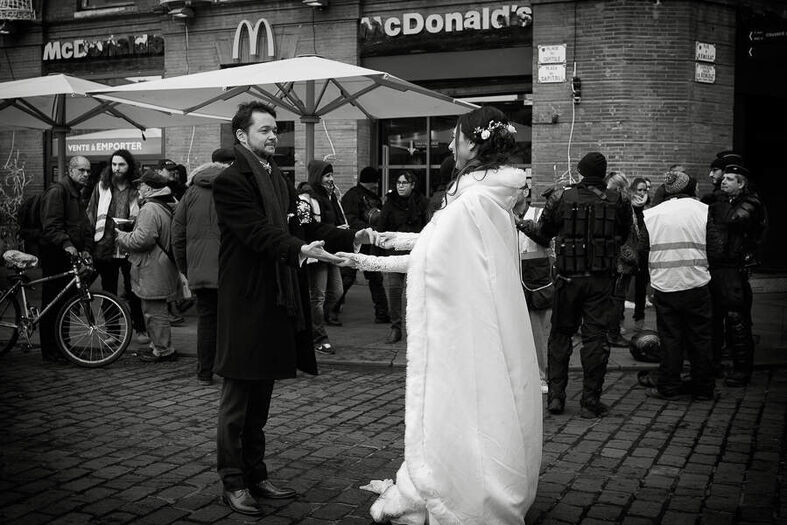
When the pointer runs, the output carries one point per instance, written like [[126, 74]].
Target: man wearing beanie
[[362, 208], [588, 222], [677, 230], [739, 221]]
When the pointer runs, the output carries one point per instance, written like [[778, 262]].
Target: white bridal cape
[[473, 419]]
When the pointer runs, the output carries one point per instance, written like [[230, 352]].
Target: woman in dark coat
[[405, 210]]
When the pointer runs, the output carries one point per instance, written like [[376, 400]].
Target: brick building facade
[[642, 103]]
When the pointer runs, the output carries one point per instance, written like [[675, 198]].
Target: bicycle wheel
[[10, 318], [95, 332]]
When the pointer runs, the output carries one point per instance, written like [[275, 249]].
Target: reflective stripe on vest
[[677, 230]]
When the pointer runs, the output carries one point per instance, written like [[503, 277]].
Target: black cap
[[737, 169], [369, 174], [152, 179], [223, 155]]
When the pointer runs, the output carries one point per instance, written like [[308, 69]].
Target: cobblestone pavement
[[134, 442]]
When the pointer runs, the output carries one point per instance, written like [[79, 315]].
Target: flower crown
[[485, 133]]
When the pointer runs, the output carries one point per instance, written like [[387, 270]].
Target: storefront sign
[[253, 32], [81, 48], [705, 52], [103, 143], [551, 73], [705, 73], [475, 19], [552, 54]]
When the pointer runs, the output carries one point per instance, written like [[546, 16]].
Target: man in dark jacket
[[195, 245], [588, 222], [716, 173], [738, 223], [362, 208], [66, 232], [263, 304]]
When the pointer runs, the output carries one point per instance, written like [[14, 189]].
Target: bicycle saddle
[[19, 260]]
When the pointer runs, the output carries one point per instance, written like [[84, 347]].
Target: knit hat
[[593, 165], [676, 182], [152, 179], [369, 174]]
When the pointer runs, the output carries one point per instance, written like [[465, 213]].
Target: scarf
[[275, 200], [104, 198]]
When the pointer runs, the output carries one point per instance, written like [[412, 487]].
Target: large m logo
[[253, 38]]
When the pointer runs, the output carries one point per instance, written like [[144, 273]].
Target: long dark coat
[[256, 338]]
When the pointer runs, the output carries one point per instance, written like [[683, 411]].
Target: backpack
[[28, 218]]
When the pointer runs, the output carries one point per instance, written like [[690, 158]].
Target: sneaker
[[556, 406], [324, 348], [142, 337], [176, 320], [594, 411], [147, 355]]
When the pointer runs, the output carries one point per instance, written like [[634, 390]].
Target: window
[[102, 4]]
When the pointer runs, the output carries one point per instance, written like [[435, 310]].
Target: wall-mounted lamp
[[321, 4]]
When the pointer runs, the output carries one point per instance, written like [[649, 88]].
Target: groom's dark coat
[[257, 339]]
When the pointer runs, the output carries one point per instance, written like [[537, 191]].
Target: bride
[[473, 419]]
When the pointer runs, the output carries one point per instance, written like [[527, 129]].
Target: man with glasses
[[66, 232]]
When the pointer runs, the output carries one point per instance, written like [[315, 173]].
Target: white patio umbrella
[[306, 88], [61, 103]]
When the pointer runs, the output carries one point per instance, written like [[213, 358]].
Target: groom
[[264, 320]]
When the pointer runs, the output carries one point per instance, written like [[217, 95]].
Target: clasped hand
[[316, 249]]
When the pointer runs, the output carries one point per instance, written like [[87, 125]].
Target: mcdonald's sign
[[253, 32]]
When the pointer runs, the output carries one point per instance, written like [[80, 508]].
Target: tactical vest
[[589, 239]]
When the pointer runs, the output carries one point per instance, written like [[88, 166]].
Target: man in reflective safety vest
[[679, 275]]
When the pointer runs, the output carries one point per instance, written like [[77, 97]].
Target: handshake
[[317, 251]]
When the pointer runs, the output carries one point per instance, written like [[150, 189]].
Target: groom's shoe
[[242, 501], [267, 490], [556, 406]]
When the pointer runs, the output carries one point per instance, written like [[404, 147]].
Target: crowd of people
[[492, 288]]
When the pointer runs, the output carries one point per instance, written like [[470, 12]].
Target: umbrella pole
[[60, 132], [310, 120]]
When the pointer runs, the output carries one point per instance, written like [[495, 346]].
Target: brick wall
[[640, 105]]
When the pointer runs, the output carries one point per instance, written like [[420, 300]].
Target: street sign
[[704, 73], [551, 73], [552, 54], [704, 52]]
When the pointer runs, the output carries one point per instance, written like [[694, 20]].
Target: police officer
[[716, 173], [588, 223], [738, 223]]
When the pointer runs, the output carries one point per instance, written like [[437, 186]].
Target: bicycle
[[93, 328]]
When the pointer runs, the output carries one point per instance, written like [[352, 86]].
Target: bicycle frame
[[21, 286]]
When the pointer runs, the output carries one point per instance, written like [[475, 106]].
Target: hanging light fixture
[[320, 4]]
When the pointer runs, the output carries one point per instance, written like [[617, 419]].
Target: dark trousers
[[618, 299], [53, 261], [585, 301], [376, 288], [732, 301], [240, 438], [641, 280], [207, 308], [684, 325], [109, 270]]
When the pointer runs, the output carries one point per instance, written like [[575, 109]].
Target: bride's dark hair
[[488, 128]]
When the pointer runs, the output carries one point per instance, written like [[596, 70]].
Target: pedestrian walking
[[195, 245], [154, 277], [264, 325]]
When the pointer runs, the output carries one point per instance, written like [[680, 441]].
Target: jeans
[[684, 325], [397, 283], [109, 270], [325, 289], [240, 438], [158, 327], [207, 309]]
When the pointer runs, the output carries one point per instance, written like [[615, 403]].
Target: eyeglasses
[[403, 182], [82, 170]]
